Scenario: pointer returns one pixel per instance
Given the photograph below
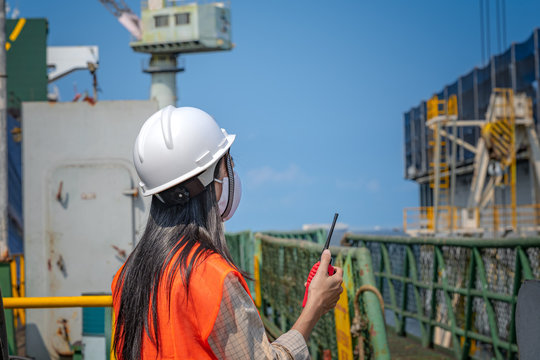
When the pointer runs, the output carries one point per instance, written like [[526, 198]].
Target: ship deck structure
[[447, 290]]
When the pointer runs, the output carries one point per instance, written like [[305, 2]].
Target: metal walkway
[[407, 348]]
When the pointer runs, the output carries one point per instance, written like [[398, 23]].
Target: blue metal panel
[[93, 321], [15, 225]]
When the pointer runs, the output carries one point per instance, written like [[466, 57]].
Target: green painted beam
[[460, 242], [490, 294]]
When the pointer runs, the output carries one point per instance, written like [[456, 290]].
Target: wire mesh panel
[[461, 292], [284, 269], [286, 264]]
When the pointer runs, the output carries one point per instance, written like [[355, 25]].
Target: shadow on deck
[[405, 348]]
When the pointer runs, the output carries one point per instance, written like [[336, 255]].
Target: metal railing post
[[373, 308], [404, 285], [433, 302], [469, 308]]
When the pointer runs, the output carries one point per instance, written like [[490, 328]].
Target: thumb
[[325, 261]]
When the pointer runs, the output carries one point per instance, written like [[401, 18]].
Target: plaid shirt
[[238, 332]]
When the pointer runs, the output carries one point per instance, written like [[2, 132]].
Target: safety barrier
[[57, 302], [286, 263], [280, 267], [244, 250], [499, 219], [317, 236], [457, 293], [20, 303]]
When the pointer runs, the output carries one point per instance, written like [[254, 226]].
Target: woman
[[179, 294]]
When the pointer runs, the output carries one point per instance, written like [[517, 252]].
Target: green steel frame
[[242, 248], [477, 285], [317, 236], [5, 285]]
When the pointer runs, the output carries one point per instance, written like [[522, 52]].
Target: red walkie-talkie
[[331, 270]]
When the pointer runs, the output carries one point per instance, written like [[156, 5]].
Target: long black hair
[[170, 230]]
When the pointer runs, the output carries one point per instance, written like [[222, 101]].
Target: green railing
[[280, 269], [242, 248], [317, 236], [457, 293]]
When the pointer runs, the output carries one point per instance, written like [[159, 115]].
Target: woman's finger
[[325, 261]]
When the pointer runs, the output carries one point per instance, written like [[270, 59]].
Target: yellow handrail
[[57, 302], [421, 218]]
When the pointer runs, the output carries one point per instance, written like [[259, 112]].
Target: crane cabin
[[184, 27]]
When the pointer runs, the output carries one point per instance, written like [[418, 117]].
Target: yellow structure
[[439, 113], [507, 127]]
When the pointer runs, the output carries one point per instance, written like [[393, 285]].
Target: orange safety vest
[[185, 328]]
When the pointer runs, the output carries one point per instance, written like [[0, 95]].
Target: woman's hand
[[324, 290], [323, 295]]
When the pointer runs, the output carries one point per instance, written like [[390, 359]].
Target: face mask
[[224, 198]]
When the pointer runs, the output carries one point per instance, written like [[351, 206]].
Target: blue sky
[[314, 90]]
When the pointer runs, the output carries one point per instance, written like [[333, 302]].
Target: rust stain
[[59, 192], [372, 331], [361, 272], [52, 241], [61, 342], [53, 282], [88, 196], [65, 326], [120, 252], [4, 256]]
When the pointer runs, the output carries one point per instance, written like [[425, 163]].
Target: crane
[[125, 16], [169, 28]]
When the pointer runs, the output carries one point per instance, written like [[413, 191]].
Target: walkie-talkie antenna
[[330, 232]]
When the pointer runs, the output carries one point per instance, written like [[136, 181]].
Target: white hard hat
[[176, 144]]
